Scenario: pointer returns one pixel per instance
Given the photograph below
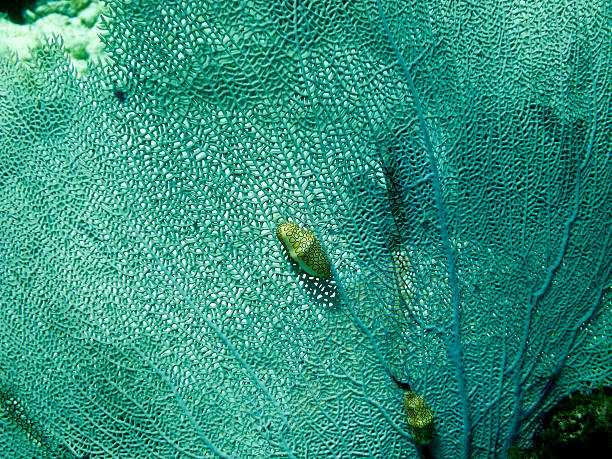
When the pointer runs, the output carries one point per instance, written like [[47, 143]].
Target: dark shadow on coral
[[14, 9]]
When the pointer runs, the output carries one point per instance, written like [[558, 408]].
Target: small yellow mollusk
[[304, 248], [420, 418]]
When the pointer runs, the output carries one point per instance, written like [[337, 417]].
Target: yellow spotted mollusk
[[420, 418], [304, 248]]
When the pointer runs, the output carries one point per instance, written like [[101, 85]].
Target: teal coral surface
[[452, 158]]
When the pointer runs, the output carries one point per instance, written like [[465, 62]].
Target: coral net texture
[[451, 158]]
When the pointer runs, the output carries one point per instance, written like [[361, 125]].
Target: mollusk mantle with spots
[[420, 418], [304, 248]]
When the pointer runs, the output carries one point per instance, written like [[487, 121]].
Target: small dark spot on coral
[[401, 384], [119, 94]]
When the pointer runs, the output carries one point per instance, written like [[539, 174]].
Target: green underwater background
[[449, 160]]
